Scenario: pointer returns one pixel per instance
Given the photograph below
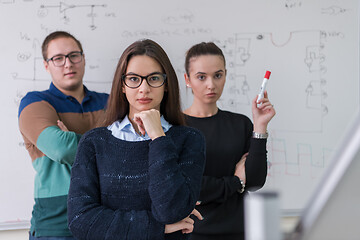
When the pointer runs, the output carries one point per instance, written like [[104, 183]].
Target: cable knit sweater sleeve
[[175, 176], [88, 218]]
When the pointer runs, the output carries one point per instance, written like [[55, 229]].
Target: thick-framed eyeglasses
[[154, 80], [59, 60]]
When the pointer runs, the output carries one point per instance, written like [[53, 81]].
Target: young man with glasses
[[51, 123]]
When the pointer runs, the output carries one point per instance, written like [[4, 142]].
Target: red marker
[[263, 86]]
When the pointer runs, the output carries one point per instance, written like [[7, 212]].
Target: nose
[[68, 63], [210, 83], [144, 86]]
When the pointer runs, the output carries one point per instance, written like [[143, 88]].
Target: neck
[[198, 109]]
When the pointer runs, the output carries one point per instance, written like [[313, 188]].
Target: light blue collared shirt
[[125, 131]]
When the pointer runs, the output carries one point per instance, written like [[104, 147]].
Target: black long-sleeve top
[[228, 136]]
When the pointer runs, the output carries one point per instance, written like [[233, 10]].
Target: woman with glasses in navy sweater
[[139, 176]]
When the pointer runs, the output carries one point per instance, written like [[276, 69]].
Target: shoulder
[[95, 138], [98, 95], [95, 133], [231, 116], [186, 132], [32, 97], [96, 101]]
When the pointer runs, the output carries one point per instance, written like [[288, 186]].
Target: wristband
[[242, 186], [260, 135]]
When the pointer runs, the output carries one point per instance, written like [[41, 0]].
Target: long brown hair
[[118, 106]]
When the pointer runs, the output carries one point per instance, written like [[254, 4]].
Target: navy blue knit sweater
[[130, 190]]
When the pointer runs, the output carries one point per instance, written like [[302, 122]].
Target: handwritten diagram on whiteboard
[[308, 46]]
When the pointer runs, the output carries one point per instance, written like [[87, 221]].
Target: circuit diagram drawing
[[33, 62], [246, 51], [333, 10], [64, 8]]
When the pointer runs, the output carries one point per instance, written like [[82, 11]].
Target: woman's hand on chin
[[149, 122]]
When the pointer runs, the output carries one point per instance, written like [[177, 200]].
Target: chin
[[73, 87], [211, 100]]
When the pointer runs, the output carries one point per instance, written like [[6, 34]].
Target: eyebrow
[[60, 54], [144, 76], [219, 71]]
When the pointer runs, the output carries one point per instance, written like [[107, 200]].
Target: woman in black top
[[235, 148]]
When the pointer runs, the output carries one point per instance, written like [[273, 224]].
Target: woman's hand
[[262, 114], [149, 122], [186, 225], [240, 168]]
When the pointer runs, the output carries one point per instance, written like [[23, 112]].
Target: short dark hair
[[203, 48], [118, 105], [56, 35]]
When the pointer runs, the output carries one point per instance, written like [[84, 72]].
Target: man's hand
[[240, 168], [62, 126]]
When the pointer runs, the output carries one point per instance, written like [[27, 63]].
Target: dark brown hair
[[203, 48], [56, 35], [118, 105]]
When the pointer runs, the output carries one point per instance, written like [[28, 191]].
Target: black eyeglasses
[[154, 80], [59, 60]]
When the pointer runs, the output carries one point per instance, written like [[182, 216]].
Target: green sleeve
[[58, 145]]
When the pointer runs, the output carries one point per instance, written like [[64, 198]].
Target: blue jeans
[[50, 238]]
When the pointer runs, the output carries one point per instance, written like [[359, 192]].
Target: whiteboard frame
[[14, 225]]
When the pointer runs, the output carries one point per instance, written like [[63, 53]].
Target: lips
[[211, 94], [144, 100], [70, 74]]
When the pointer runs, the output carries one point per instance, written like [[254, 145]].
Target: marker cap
[[267, 74]]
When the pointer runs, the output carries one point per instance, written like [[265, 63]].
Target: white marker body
[[262, 90]]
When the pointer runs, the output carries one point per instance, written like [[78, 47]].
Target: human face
[[67, 78], [144, 97], [206, 78]]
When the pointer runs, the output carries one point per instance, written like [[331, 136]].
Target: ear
[[187, 80], [46, 65], [123, 89]]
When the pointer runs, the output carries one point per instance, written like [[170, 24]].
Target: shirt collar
[[126, 126], [54, 90]]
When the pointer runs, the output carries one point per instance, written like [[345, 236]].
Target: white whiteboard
[[311, 47]]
